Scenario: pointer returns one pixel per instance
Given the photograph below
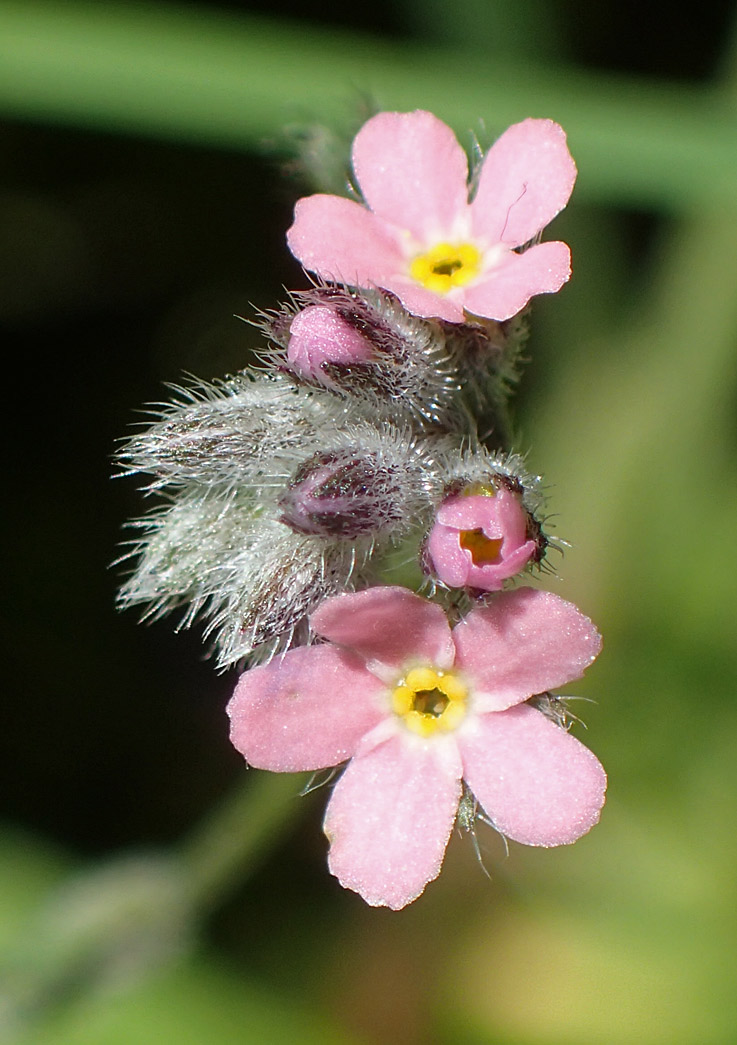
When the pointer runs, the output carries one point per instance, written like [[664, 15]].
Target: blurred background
[[148, 167]]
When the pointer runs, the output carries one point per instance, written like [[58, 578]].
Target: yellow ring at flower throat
[[430, 701], [446, 265]]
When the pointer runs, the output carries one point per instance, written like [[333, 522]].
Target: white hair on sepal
[[473, 463], [261, 603], [429, 373], [248, 577], [487, 356], [321, 778], [233, 557], [181, 543], [469, 815], [228, 433], [410, 376], [379, 482], [555, 707]]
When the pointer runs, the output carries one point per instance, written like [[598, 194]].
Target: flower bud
[[343, 493], [483, 535], [362, 344], [318, 335], [230, 434]]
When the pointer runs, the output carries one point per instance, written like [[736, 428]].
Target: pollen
[[430, 701], [446, 265], [479, 490]]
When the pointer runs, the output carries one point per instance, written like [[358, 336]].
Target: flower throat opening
[[445, 266], [485, 551], [429, 701]]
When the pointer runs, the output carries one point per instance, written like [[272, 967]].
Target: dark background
[[123, 264]]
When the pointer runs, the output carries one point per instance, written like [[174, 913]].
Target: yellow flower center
[[479, 490], [484, 550], [445, 266], [430, 701]]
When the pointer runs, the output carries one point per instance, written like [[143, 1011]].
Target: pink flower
[[417, 708], [478, 541], [418, 235], [318, 334]]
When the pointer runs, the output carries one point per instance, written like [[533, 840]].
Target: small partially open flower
[[417, 708], [421, 238], [480, 538]]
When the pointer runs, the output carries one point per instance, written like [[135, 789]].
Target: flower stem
[[238, 834]]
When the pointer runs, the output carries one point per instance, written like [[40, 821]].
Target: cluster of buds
[[376, 420]]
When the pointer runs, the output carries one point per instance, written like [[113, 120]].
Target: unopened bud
[[319, 336], [362, 343], [343, 493]]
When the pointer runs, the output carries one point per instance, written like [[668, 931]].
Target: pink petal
[[390, 817], [455, 567], [422, 302], [390, 627], [526, 179], [511, 515], [499, 516], [491, 577], [524, 642], [341, 240], [412, 172], [505, 290], [305, 710], [536, 783], [318, 335], [451, 563]]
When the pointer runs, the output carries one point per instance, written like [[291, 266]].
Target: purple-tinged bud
[[319, 336], [343, 493], [482, 536], [361, 343]]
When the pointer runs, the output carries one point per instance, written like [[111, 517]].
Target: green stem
[[204, 76], [238, 834], [136, 910]]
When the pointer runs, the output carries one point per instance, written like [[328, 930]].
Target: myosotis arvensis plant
[[377, 420]]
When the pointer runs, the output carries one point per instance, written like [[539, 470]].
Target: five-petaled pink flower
[[417, 708], [479, 540], [420, 237]]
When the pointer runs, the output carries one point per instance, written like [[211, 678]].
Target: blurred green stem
[[217, 78], [118, 921], [236, 836]]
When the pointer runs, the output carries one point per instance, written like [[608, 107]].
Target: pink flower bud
[[317, 335], [481, 539]]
